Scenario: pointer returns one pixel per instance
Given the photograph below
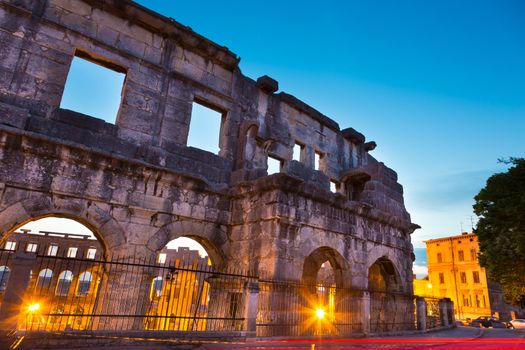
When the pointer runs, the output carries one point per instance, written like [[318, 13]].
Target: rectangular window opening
[[274, 165], [461, 256], [317, 160], [94, 87], [161, 258], [475, 276], [72, 252], [298, 152], [31, 247], [334, 186], [439, 258], [10, 245], [52, 250], [91, 253], [205, 128]]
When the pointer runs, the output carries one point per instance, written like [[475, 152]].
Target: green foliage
[[501, 228]]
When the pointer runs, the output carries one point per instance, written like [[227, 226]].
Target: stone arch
[[382, 260], [98, 220], [209, 235], [340, 266]]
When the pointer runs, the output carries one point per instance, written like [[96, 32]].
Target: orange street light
[[33, 307], [319, 313]]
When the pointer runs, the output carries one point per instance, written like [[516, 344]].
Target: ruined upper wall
[[167, 68]]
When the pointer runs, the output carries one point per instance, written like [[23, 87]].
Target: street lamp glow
[[319, 313], [429, 285], [33, 307]]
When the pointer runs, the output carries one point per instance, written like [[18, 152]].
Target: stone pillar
[[443, 312], [250, 308], [13, 302], [365, 312], [421, 314], [123, 291]]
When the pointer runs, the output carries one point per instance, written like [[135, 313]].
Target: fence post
[[365, 312], [421, 314], [443, 312], [15, 290], [251, 306]]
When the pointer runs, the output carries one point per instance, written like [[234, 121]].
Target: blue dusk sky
[[439, 84]]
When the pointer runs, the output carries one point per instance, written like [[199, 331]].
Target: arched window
[[64, 283], [4, 277], [156, 288], [44, 279], [84, 283]]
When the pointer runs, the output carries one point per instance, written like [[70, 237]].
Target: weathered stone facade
[[137, 185]]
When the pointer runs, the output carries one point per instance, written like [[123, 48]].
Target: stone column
[[11, 309], [443, 312], [421, 314], [250, 308], [124, 290], [365, 312]]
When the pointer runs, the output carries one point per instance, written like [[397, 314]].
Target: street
[[462, 338]]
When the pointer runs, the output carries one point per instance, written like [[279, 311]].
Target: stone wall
[[137, 185]]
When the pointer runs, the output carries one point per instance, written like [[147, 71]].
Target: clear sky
[[439, 84]]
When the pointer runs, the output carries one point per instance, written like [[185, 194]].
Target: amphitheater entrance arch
[[390, 309], [58, 264]]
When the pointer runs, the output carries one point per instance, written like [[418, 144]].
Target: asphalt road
[[461, 338]]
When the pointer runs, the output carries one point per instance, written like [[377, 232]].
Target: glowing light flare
[[33, 307], [319, 312]]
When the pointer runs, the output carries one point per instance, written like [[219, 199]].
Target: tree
[[500, 207]]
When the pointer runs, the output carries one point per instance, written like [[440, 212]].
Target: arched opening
[[180, 288], [64, 283], [326, 282], [44, 279], [67, 262], [385, 299]]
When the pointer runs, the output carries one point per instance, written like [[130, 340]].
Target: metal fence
[[66, 293], [129, 294]]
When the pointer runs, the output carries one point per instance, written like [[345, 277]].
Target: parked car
[[480, 322], [518, 323], [489, 322]]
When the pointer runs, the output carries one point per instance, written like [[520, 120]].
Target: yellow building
[[454, 272]]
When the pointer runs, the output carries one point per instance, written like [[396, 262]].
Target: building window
[[333, 186], [84, 284], [441, 278], [10, 245], [156, 288], [475, 276], [64, 282], [463, 277], [274, 165], [478, 304], [317, 160], [298, 151], [205, 128], [439, 258], [4, 277], [52, 250], [466, 300], [484, 301], [162, 258], [44, 279], [461, 256], [91, 253], [72, 252], [31, 247], [473, 255], [93, 87]]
